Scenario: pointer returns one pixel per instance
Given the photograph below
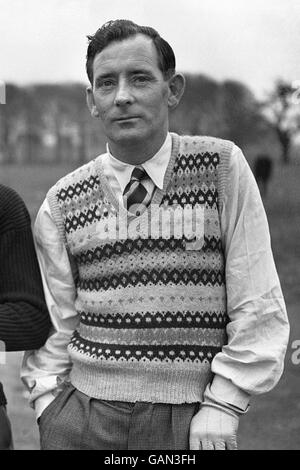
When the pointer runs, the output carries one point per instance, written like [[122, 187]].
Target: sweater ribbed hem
[[142, 382]]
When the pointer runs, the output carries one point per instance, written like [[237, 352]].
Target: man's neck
[[137, 152]]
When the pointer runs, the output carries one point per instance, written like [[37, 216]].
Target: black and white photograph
[[149, 227]]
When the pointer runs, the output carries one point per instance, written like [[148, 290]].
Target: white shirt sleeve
[[252, 361], [44, 368]]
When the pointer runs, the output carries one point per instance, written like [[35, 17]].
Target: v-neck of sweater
[[158, 193]]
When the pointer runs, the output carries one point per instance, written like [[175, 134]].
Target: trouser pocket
[[51, 420]]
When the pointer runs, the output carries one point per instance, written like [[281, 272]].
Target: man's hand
[[213, 428]]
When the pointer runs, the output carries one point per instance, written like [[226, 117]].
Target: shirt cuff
[[226, 391], [42, 402]]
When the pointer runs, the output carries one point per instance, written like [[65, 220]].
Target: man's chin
[[128, 136]]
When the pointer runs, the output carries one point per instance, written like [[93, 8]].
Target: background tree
[[198, 112], [241, 113], [12, 118], [283, 111]]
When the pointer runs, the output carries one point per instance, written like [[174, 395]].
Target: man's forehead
[[132, 51]]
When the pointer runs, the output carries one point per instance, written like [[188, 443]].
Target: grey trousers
[[76, 421]]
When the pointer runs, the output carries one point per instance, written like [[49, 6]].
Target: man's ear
[[176, 89], [91, 102]]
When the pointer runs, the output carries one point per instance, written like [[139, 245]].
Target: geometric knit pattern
[[152, 311]]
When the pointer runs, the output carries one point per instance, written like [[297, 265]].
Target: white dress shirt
[[119, 173], [252, 361]]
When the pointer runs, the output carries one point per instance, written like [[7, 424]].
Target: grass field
[[273, 421]]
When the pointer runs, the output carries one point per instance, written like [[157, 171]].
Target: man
[[24, 318], [158, 342]]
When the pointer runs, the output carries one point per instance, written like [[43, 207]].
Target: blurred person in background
[[160, 340], [24, 318], [263, 168]]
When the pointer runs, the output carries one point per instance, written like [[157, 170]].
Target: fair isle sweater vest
[[152, 309]]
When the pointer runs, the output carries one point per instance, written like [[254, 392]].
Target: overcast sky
[[255, 41]]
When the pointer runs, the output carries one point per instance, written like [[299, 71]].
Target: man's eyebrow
[[129, 72], [104, 75], [140, 70], [133, 71]]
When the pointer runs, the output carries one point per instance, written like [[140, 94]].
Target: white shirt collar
[[155, 166]]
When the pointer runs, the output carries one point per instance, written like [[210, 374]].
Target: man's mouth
[[126, 118]]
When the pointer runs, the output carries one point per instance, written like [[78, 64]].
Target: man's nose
[[123, 94]]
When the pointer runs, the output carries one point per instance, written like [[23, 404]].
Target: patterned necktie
[[136, 196]]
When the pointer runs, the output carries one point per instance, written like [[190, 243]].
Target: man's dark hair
[[118, 30]]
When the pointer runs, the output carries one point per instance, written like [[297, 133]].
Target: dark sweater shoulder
[[13, 211]]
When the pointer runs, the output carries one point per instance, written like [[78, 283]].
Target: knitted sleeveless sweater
[[152, 303]]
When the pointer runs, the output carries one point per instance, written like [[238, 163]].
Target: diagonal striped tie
[[136, 196]]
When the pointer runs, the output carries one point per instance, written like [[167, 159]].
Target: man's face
[[129, 92]]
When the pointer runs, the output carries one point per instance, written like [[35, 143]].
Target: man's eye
[[140, 79], [105, 84]]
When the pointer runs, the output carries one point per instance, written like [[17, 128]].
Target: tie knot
[[138, 174]]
